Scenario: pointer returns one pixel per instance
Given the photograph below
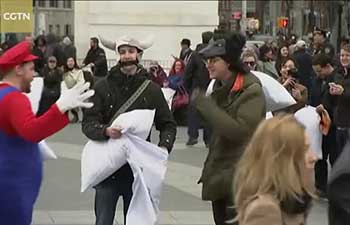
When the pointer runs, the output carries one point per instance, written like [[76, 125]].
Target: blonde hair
[[273, 162], [249, 53]]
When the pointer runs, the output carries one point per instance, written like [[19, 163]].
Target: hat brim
[[212, 50], [30, 58]]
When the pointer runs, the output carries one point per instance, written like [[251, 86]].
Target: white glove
[[75, 97]]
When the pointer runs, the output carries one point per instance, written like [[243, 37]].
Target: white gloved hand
[[75, 97]]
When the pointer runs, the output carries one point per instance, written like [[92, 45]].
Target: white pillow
[[311, 120], [46, 152], [276, 96], [168, 95], [102, 159], [137, 122], [34, 96], [36, 89], [99, 160]]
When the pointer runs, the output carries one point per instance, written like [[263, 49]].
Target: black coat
[[305, 71], [196, 73], [51, 90], [320, 94], [342, 112], [327, 48], [98, 57], [40, 61], [110, 94], [338, 190]]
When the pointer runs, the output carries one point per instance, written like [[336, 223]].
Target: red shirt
[[18, 119]]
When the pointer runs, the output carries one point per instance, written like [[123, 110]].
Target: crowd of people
[[257, 171]]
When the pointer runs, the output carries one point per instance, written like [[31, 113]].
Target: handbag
[[181, 98]]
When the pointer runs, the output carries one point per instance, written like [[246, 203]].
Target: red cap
[[16, 55]]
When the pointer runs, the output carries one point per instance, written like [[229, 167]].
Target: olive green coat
[[233, 117]]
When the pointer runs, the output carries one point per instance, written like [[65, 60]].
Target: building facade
[[302, 16], [168, 21], [54, 16]]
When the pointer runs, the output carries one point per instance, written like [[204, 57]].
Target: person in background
[[249, 58], [73, 75], [304, 61], [176, 75], [96, 59], [186, 51], [39, 51], [233, 111], [266, 64], [282, 54], [321, 94], [158, 74], [342, 112], [52, 85], [273, 180], [69, 49], [290, 80], [321, 44], [53, 48], [197, 76]]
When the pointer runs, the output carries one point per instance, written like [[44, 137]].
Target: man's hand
[[113, 133], [296, 94], [335, 89], [289, 82]]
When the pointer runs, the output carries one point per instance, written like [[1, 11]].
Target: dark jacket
[[196, 73], [40, 61], [110, 94], [305, 71], [342, 112], [98, 58], [51, 90], [338, 190], [320, 94], [69, 51], [327, 48], [233, 117], [186, 54]]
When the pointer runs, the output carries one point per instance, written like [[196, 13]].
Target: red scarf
[[238, 84]]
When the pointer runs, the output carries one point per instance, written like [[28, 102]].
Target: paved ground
[[62, 203]]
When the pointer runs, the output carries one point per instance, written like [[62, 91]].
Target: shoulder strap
[[5, 91], [132, 99]]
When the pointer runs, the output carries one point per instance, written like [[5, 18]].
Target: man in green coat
[[233, 111]]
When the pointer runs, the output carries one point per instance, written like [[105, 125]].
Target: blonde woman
[[72, 75], [273, 177]]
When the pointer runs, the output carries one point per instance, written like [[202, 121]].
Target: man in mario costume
[[21, 130]]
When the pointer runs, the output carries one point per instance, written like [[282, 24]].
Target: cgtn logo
[[15, 16]]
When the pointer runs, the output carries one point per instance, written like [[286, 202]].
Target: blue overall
[[20, 176]]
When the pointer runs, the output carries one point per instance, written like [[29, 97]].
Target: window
[[58, 30], [50, 29], [67, 4], [41, 3], [67, 30], [54, 3]]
